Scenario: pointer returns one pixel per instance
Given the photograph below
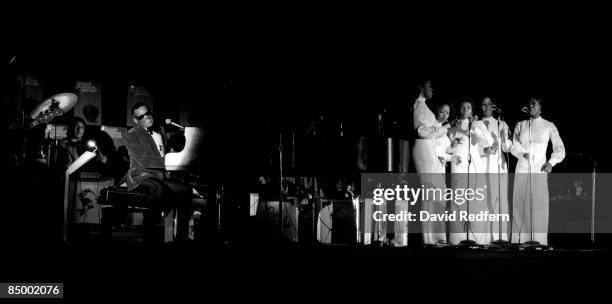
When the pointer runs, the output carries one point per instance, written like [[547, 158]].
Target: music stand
[[76, 165]]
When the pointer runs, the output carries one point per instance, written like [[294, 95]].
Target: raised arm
[[425, 130]]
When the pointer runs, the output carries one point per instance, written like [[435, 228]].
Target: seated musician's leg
[[181, 199], [156, 192]]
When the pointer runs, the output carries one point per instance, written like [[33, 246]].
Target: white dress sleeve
[[558, 153], [482, 135], [517, 146], [448, 151], [506, 146]]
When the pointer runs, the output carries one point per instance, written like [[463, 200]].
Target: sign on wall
[[30, 95], [89, 106]]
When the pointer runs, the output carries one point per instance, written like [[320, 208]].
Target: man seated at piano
[[147, 145]]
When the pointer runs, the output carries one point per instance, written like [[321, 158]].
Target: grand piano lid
[[194, 142]]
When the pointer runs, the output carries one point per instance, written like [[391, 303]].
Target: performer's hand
[[456, 141], [472, 119], [547, 167], [526, 156], [493, 149], [101, 158], [442, 160]]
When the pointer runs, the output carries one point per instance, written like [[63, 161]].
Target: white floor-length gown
[[479, 138], [530, 199], [443, 150], [496, 167], [428, 167]]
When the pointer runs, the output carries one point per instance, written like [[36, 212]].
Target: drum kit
[[34, 147], [52, 107], [334, 163]]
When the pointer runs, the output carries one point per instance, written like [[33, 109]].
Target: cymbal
[[55, 105]]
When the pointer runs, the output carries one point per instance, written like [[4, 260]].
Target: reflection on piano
[[188, 157]]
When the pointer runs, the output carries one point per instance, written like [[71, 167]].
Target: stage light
[[91, 145]]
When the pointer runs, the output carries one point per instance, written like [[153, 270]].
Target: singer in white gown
[[471, 137], [427, 163], [531, 201], [496, 167], [443, 146]]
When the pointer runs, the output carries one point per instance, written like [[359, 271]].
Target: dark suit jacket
[[143, 156]]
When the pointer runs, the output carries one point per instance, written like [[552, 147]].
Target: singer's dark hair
[[422, 80], [482, 98], [140, 104], [466, 100], [440, 104], [418, 84], [536, 98]]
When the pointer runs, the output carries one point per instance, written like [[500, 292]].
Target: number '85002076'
[[33, 290]]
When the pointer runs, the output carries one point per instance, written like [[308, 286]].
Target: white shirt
[[157, 138], [542, 131]]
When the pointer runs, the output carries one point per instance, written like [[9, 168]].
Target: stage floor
[[292, 273]]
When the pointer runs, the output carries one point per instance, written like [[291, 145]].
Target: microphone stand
[[593, 180], [533, 245], [467, 242], [381, 125], [280, 183], [594, 176], [22, 97], [500, 242], [315, 199], [313, 126]]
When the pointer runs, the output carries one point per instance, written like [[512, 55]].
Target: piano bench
[[117, 198]]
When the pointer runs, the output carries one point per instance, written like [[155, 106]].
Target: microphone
[[496, 108], [472, 119], [315, 122], [170, 122], [525, 110]]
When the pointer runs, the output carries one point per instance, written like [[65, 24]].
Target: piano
[[187, 158]]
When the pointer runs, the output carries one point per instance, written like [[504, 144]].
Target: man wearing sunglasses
[[147, 147]]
